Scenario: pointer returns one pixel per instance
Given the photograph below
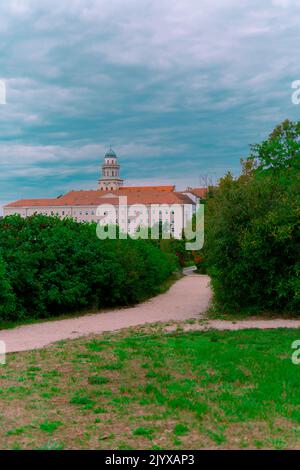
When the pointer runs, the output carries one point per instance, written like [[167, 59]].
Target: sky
[[180, 89]]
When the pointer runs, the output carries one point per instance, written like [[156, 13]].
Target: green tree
[[252, 241], [7, 297], [281, 151], [55, 266]]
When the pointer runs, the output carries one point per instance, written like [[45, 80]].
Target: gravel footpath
[[187, 298]]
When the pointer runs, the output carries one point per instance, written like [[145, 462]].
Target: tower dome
[[111, 153]]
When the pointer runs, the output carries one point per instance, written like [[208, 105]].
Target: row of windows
[[131, 223], [87, 214], [110, 173], [91, 212]]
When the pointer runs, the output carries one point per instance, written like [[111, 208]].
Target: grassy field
[[145, 389]]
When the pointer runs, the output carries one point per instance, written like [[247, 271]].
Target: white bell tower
[[110, 179]]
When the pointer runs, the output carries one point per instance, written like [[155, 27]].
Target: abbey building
[[83, 205]]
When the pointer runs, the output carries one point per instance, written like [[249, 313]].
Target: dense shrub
[[174, 246], [252, 241], [49, 267], [7, 297]]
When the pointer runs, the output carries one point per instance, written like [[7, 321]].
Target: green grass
[[96, 380], [218, 312], [50, 427], [148, 432], [145, 389]]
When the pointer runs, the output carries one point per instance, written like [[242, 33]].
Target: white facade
[[130, 218], [78, 213]]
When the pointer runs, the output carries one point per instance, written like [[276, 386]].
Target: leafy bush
[[7, 297], [50, 266], [252, 243]]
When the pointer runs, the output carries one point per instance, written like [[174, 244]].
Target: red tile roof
[[97, 197], [148, 188], [33, 202], [200, 192]]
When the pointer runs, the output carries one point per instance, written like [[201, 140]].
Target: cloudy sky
[[180, 88]]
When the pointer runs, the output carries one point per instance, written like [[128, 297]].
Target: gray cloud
[[179, 88]]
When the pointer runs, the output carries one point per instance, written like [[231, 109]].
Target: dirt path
[[187, 298]]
